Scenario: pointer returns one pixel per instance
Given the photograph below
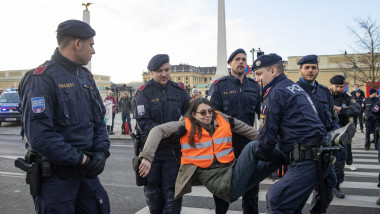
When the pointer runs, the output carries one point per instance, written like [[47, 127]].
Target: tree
[[364, 64]]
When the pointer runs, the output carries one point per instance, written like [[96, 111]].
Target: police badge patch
[[38, 104], [140, 110]]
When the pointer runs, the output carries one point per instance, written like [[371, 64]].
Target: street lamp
[[354, 68], [253, 54]]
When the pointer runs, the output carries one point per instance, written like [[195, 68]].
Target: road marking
[[121, 145], [191, 210], [10, 157], [365, 160], [361, 174], [367, 166]]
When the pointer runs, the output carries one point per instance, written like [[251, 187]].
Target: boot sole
[[347, 134]]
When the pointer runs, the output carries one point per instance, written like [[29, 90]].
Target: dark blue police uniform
[[157, 104], [288, 118], [63, 117], [323, 101], [240, 100]]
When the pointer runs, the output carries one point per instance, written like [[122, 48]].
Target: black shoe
[[338, 193], [378, 201], [362, 130]]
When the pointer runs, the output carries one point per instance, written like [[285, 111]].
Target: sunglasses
[[204, 112]]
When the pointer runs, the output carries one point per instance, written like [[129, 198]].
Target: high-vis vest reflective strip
[[219, 145]]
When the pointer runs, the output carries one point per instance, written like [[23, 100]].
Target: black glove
[[95, 163], [263, 156]]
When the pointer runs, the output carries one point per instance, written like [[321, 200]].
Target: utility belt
[[302, 152], [310, 151]]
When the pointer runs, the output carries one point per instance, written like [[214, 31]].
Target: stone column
[[86, 18], [221, 68]]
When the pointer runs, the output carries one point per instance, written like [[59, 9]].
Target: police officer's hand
[[263, 156], [96, 164], [144, 167]]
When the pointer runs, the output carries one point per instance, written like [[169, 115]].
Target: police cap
[[266, 60], [311, 59], [372, 90], [76, 28], [338, 80], [237, 51], [157, 61]]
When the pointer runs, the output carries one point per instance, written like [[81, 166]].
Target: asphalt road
[[118, 179]]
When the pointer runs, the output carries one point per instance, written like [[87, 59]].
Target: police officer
[[369, 117], [324, 103], [64, 125], [342, 102], [376, 111], [158, 101], [238, 96], [289, 120]]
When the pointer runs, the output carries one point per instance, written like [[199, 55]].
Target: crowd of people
[[303, 127]]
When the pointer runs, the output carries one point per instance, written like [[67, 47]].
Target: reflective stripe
[[200, 157], [224, 153], [197, 145], [223, 140]]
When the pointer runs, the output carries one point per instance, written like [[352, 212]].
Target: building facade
[[11, 79]]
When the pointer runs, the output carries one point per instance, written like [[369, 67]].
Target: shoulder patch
[[142, 87], [216, 81], [38, 104], [181, 85], [39, 70]]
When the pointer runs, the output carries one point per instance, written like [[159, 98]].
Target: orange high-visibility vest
[[219, 145]]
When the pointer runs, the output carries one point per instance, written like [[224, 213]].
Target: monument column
[[86, 18], [221, 68]]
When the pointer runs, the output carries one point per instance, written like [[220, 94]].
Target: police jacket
[[63, 112], [369, 104], [156, 104], [217, 177], [323, 102], [343, 100], [288, 116], [239, 100]]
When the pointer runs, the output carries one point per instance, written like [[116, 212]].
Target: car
[[9, 106]]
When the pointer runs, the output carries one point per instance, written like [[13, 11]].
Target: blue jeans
[[126, 117], [249, 172]]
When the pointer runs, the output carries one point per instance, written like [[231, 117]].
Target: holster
[[302, 152]]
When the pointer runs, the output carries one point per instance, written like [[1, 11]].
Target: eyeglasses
[[204, 112]]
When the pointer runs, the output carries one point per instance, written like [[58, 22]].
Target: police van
[[9, 102]]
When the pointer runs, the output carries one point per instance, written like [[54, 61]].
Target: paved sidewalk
[[13, 128]]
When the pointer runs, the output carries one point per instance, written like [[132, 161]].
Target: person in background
[[196, 93], [114, 106], [358, 97], [357, 89], [370, 118], [342, 102], [125, 106]]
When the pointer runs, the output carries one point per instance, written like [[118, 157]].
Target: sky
[[130, 32]]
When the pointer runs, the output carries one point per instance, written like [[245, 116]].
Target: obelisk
[[86, 18], [221, 68]]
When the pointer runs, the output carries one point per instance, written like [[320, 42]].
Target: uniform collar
[[72, 66], [307, 86], [233, 78], [275, 80], [156, 84]]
